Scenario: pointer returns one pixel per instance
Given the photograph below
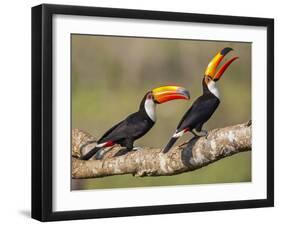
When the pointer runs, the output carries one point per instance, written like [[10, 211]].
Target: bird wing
[[132, 127], [108, 134], [200, 112], [138, 126]]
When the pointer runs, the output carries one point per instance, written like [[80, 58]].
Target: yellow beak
[[166, 93], [212, 66]]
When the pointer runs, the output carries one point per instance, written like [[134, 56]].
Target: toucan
[[205, 105], [137, 124]]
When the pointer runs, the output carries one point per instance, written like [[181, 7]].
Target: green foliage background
[[110, 76]]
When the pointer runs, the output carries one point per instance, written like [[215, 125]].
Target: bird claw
[[206, 134], [202, 133], [137, 149], [99, 155], [122, 151]]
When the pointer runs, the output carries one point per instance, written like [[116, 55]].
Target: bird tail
[[90, 153], [170, 144]]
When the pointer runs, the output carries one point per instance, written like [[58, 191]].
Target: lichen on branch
[[194, 154]]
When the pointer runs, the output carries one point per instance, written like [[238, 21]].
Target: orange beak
[[212, 66], [166, 93]]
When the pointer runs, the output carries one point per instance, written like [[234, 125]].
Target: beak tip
[[184, 92], [226, 51], [188, 96]]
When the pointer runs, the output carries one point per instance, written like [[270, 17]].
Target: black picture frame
[[42, 111]]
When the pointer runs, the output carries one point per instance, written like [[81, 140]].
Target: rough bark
[[194, 154]]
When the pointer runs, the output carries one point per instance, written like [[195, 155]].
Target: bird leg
[[129, 145], [122, 151], [99, 155], [125, 150], [202, 133], [137, 149]]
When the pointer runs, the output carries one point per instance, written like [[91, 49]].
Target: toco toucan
[[137, 124], [205, 105]]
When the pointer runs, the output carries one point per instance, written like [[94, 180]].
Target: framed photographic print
[[145, 112]]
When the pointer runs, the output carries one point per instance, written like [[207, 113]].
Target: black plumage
[[199, 113], [125, 132]]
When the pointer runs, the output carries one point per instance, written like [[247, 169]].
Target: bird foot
[[202, 133], [122, 151], [99, 155], [137, 149]]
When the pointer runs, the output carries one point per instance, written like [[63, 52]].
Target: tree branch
[[194, 154]]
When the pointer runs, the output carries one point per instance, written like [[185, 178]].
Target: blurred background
[[110, 76]]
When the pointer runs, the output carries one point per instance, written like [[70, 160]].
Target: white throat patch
[[149, 107], [213, 89]]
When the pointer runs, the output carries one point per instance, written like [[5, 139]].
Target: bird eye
[[208, 79]]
